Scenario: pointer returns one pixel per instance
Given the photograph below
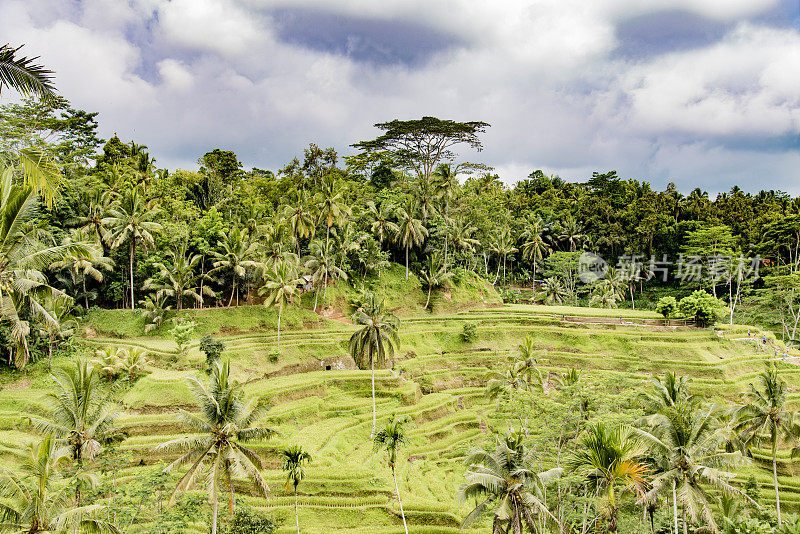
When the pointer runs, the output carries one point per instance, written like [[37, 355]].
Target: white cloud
[[175, 74]]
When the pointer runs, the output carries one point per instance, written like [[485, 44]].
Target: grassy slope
[[329, 412]]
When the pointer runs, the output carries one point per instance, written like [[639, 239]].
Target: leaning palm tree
[[81, 414], [390, 438], [687, 442], [375, 340], [292, 463], [37, 498], [410, 230], [765, 418], [434, 274], [131, 220], [222, 427], [280, 287], [510, 487], [237, 256], [611, 460], [23, 74], [85, 263]]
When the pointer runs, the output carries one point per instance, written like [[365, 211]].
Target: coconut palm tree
[[331, 205], [37, 498], [237, 256], [382, 227], [176, 279], [300, 219], [84, 264], [154, 311], [390, 438], [23, 74], [510, 487], [688, 443], [59, 308], [504, 383], [554, 292], [375, 340], [444, 186], [433, 275], [611, 460], [320, 266], [280, 287], [461, 233], [571, 232], [410, 230], [765, 418], [670, 391], [81, 414], [534, 247], [131, 219], [502, 244], [222, 428], [525, 360], [292, 459]]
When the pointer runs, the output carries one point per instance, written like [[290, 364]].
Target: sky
[[699, 93]]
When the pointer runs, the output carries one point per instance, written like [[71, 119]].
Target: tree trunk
[[675, 505], [504, 269], [429, 296], [233, 290], [214, 503], [133, 249], [296, 517], [372, 366], [316, 296], [685, 521], [633, 304], [406, 262], [397, 489], [775, 475], [85, 296], [280, 309]]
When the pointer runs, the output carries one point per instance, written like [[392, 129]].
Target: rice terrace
[[448, 326]]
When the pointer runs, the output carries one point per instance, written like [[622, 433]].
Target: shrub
[[182, 333], [667, 306], [212, 348], [469, 332], [248, 521], [702, 307]]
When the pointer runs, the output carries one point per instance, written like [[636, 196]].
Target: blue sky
[[699, 93]]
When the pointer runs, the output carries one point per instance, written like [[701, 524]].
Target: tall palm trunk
[[85, 296], [675, 505], [429, 296], [397, 489], [406, 261], [214, 503], [133, 249], [775, 474], [280, 309], [233, 290], [372, 367], [296, 517], [633, 304], [316, 296]]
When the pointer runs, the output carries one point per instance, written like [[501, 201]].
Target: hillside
[[438, 380]]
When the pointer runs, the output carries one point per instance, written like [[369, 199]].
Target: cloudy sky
[[702, 93]]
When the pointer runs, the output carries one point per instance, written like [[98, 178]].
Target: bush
[[469, 332], [182, 333], [212, 348], [248, 521], [702, 307], [667, 306]]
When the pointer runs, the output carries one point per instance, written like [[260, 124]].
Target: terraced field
[[321, 402]]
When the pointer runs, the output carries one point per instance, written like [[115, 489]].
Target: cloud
[[569, 86]]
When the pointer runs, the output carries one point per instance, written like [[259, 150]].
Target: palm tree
[[377, 339], [444, 185], [84, 264], [461, 233], [390, 438], [381, 226], [509, 485], [177, 279], [154, 311], [525, 360], [130, 219], [319, 265], [410, 230], [24, 75], [81, 416], [24, 289], [610, 459], [766, 413], [293, 458], [331, 205], [671, 391], [554, 292], [688, 444], [502, 244], [237, 255], [511, 380], [63, 327], [38, 499], [433, 275], [602, 297], [534, 247], [571, 232], [223, 426], [300, 219], [280, 287]]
